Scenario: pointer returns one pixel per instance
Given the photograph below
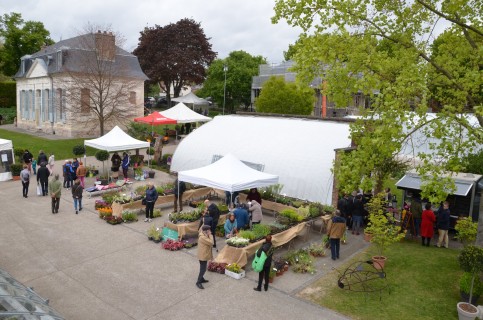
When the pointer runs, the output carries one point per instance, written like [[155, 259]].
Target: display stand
[[408, 223]]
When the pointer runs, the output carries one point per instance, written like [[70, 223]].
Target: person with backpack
[[77, 195], [25, 177], [267, 250], [179, 189]]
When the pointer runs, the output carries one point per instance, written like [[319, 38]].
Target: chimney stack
[[105, 45]]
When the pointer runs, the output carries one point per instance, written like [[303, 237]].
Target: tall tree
[[103, 80], [384, 50], [241, 67], [282, 97], [175, 55], [19, 38]]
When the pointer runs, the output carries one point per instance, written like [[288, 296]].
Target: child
[[34, 166]]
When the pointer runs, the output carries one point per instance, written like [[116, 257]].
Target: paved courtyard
[[92, 270]]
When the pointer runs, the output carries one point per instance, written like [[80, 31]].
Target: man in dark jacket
[[344, 207], [42, 158], [179, 189], [43, 178], [27, 159], [214, 213], [442, 223], [241, 216], [357, 214]]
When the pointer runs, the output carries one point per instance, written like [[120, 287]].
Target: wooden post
[[158, 149]]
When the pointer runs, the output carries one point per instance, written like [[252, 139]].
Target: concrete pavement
[[92, 270]]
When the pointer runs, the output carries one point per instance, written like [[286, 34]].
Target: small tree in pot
[[471, 261], [150, 152], [78, 150], [383, 229], [102, 155]]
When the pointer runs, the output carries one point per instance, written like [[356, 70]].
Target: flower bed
[[105, 212], [237, 242], [183, 217], [173, 245], [113, 220], [216, 267]]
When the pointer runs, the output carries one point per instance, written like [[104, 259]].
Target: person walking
[[151, 197], [65, 174], [442, 223], [42, 158], [125, 164], [343, 206], [43, 178], [55, 189], [205, 243], [335, 231], [77, 195], [51, 163], [427, 225], [81, 174], [179, 189], [27, 159], [25, 178], [265, 273]]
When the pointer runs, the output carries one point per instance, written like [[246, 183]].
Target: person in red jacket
[[427, 224]]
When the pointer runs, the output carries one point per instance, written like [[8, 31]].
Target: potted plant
[[102, 155], [18, 152], [466, 231], [235, 271], [15, 168], [79, 150], [383, 229], [465, 288], [471, 261], [150, 153], [138, 174], [271, 275], [151, 232]]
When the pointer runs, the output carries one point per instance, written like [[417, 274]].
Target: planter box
[[234, 275]]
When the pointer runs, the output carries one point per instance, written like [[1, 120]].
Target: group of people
[[73, 170], [120, 163]]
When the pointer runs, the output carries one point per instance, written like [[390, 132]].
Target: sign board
[[169, 234]]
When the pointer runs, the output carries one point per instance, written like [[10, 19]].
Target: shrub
[[292, 215], [78, 150], [465, 284], [261, 230], [247, 234], [18, 152], [467, 230], [157, 213], [15, 168], [102, 155], [150, 151], [129, 216], [8, 93], [471, 261]]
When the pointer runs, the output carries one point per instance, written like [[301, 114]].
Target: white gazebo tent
[[183, 114], [191, 98], [116, 140], [228, 174], [7, 158]]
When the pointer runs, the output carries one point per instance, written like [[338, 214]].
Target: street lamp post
[[225, 69]]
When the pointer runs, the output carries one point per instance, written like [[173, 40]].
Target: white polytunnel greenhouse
[[300, 151]]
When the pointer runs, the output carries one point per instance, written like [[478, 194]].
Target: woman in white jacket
[[256, 210]]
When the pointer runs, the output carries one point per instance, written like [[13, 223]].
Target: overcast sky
[[231, 25]]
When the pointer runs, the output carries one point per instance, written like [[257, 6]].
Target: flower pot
[[466, 311], [367, 237], [378, 262], [15, 178], [270, 280], [234, 275], [151, 174]]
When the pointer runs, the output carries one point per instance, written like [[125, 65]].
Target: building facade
[[69, 87]]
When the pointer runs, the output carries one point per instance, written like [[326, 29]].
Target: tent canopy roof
[[5, 144], [155, 118], [116, 140], [183, 114], [229, 174], [191, 98]]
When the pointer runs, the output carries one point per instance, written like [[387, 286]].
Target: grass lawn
[[62, 149], [423, 285]]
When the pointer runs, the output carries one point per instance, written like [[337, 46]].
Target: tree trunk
[[479, 235]]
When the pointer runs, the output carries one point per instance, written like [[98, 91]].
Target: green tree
[[384, 50], [175, 55], [282, 97], [19, 38], [241, 67]]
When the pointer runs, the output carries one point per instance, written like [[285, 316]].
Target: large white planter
[[465, 315], [234, 275]]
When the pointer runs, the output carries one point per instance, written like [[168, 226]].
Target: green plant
[[466, 230], [382, 225], [297, 203], [269, 193], [18, 152], [272, 273], [304, 212], [300, 261], [102, 155], [157, 213], [15, 168], [109, 196], [234, 267], [292, 215], [465, 284], [150, 151], [471, 260], [317, 249], [247, 234], [151, 232], [328, 209], [129, 216], [138, 171], [141, 189], [261, 230], [78, 150], [160, 189], [222, 207]]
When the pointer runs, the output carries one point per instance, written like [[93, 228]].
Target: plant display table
[[190, 227], [240, 255], [117, 208]]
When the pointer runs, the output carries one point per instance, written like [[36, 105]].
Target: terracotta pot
[[270, 280], [379, 262], [466, 311], [367, 237], [15, 178], [285, 267]]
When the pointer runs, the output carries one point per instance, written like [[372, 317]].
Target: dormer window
[[59, 60]]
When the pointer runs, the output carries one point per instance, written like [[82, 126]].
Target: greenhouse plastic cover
[[299, 151]]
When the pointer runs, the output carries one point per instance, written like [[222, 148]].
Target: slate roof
[[74, 50]]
